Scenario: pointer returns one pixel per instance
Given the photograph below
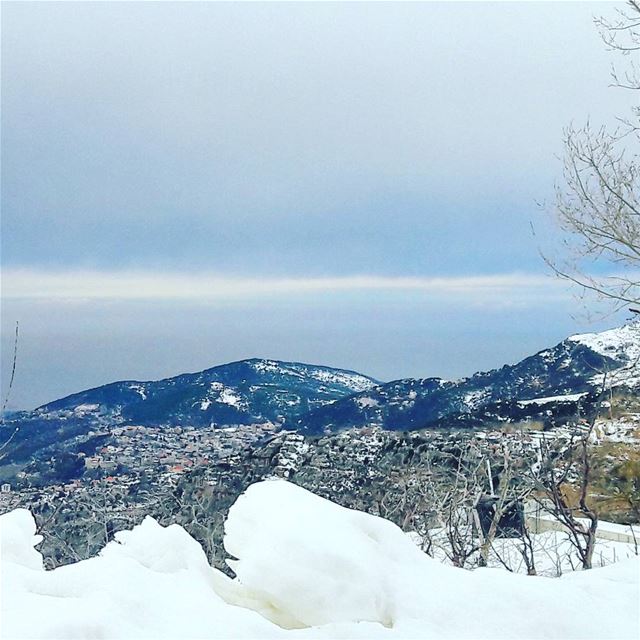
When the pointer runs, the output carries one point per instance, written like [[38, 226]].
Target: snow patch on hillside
[[365, 402], [572, 397], [81, 409], [619, 343], [352, 381], [333, 377], [140, 389], [266, 366], [473, 399], [226, 395]]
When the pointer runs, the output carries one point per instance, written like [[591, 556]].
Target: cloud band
[[148, 285]]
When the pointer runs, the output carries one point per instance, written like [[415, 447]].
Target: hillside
[[547, 386], [551, 387], [240, 393]]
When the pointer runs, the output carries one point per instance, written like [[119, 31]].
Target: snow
[[305, 568], [230, 397], [221, 394], [273, 366], [365, 402], [351, 380], [621, 344], [473, 399], [140, 389], [623, 341], [84, 408], [574, 397], [553, 553], [153, 583], [610, 530]]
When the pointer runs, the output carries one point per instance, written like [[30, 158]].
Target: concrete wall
[[537, 524]]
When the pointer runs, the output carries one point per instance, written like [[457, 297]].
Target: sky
[[349, 184]]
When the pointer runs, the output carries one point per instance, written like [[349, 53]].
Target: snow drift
[[305, 568]]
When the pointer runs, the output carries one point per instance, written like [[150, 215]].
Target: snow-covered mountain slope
[[244, 392], [622, 345], [566, 373], [240, 393], [305, 568], [548, 386]]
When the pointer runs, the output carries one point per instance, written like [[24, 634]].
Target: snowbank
[[154, 582], [306, 568]]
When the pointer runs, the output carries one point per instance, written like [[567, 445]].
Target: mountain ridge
[[574, 366], [549, 386], [239, 392], [133, 381], [256, 362]]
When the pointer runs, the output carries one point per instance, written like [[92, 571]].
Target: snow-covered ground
[[306, 568], [553, 553]]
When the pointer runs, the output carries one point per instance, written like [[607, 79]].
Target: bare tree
[[563, 480], [512, 490], [199, 513], [598, 203], [440, 497], [459, 513]]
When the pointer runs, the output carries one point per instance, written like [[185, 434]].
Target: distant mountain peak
[[558, 378], [247, 391], [621, 341]]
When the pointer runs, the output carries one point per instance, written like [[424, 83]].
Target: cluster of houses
[[159, 454], [172, 449]]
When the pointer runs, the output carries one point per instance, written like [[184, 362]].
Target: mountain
[[240, 393], [551, 387], [245, 392], [548, 386]]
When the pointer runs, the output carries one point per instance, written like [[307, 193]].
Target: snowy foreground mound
[[306, 568]]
